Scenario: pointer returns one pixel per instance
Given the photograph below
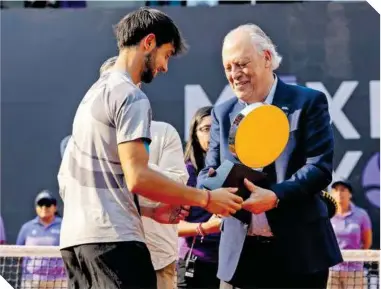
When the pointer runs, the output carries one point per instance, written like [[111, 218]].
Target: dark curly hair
[[138, 24]]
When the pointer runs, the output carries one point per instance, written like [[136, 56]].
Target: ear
[[268, 58], [149, 42]]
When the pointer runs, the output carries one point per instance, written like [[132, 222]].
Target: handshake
[[223, 201], [250, 197]]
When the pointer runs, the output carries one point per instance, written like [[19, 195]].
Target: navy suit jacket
[[305, 237]]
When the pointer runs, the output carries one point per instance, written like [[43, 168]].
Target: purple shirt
[[206, 251], [2, 232], [34, 233], [348, 230]]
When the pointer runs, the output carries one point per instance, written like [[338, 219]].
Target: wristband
[[200, 232], [208, 198], [146, 145]]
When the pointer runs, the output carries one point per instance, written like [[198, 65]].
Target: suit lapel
[[281, 97], [238, 106], [276, 170], [236, 109], [283, 101]]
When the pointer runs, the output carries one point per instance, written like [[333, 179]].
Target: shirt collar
[[36, 220], [270, 97], [352, 208], [125, 73]]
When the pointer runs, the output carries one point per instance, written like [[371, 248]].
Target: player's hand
[[213, 225], [170, 214], [224, 202], [261, 200]]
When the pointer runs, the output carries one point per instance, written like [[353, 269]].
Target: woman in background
[[353, 231], [43, 230], [200, 232]]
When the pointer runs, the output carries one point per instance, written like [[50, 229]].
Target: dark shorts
[[119, 265]]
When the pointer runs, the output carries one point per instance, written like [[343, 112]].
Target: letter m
[[195, 98]]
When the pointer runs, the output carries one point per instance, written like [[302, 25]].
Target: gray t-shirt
[[97, 204]]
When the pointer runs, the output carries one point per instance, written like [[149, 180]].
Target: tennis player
[[105, 165], [166, 156]]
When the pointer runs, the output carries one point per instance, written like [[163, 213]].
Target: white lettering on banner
[[336, 104], [195, 98], [346, 165], [374, 94]]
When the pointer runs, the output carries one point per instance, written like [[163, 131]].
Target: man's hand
[[224, 202], [169, 214], [212, 225], [261, 200]]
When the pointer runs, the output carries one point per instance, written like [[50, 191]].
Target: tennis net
[[40, 267]]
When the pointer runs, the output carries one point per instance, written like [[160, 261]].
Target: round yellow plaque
[[259, 134]]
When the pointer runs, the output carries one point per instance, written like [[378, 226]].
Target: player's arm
[[318, 145], [187, 229], [132, 124], [171, 160], [131, 118], [144, 181]]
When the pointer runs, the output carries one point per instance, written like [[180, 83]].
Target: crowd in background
[[351, 223]]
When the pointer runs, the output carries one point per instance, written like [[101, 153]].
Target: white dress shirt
[[167, 157], [259, 225]]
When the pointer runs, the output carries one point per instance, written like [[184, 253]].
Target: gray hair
[[107, 64], [261, 41]]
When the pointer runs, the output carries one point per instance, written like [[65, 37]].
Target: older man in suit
[[287, 240]]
